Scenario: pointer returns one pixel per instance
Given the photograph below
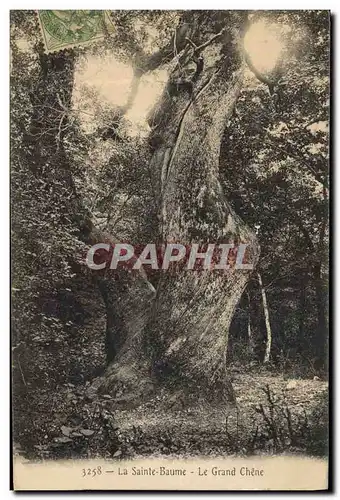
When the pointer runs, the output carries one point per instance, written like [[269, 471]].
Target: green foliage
[[61, 174], [274, 163]]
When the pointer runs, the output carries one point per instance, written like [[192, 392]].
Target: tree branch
[[208, 42]]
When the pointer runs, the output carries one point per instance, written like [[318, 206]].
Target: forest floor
[[274, 414]]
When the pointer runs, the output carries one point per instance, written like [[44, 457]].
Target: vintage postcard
[[170, 244]]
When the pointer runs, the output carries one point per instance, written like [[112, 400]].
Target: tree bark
[[178, 337], [267, 320], [321, 331], [321, 301], [302, 312], [251, 343]]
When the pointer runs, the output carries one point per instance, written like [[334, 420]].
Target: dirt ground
[[273, 414], [200, 428]]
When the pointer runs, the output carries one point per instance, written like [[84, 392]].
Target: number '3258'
[[97, 471]]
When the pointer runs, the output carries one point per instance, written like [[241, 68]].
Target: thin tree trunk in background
[[249, 331], [321, 313], [321, 305], [267, 320], [302, 312]]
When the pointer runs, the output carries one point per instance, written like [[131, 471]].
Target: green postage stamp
[[67, 28]]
